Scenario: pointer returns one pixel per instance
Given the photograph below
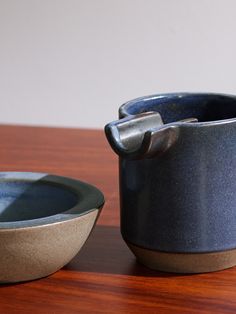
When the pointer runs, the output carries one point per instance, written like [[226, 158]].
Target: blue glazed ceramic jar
[[178, 180]]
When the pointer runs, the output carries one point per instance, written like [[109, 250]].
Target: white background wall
[[72, 62]]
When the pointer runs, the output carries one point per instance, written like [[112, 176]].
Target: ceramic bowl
[[44, 222]]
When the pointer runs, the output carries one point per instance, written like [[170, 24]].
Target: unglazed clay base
[[36, 252], [184, 262]]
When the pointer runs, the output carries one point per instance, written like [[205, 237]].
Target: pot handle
[[141, 136]]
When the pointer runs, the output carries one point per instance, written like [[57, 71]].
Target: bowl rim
[[89, 198]]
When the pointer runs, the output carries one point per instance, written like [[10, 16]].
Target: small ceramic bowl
[[44, 222]]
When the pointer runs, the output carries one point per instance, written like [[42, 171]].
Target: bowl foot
[[188, 263]]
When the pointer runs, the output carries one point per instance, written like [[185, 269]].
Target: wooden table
[[104, 277]]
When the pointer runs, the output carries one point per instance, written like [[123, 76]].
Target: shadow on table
[[106, 252]]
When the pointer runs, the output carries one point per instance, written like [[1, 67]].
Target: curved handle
[[141, 136]]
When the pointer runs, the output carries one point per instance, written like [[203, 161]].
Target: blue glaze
[[32, 199], [174, 107], [27, 200], [183, 199]]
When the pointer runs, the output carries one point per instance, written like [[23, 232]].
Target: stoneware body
[[178, 180], [44, 222]]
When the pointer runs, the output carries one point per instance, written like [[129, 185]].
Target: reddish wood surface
[[104, 277]]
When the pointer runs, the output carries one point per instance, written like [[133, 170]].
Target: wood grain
[[104, 277]]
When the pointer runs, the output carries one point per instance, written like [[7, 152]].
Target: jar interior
[[203, 107]]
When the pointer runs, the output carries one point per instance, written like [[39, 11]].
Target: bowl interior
[[26, 200]]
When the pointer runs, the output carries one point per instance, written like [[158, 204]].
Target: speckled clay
[[44, 222], [178, 179]]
